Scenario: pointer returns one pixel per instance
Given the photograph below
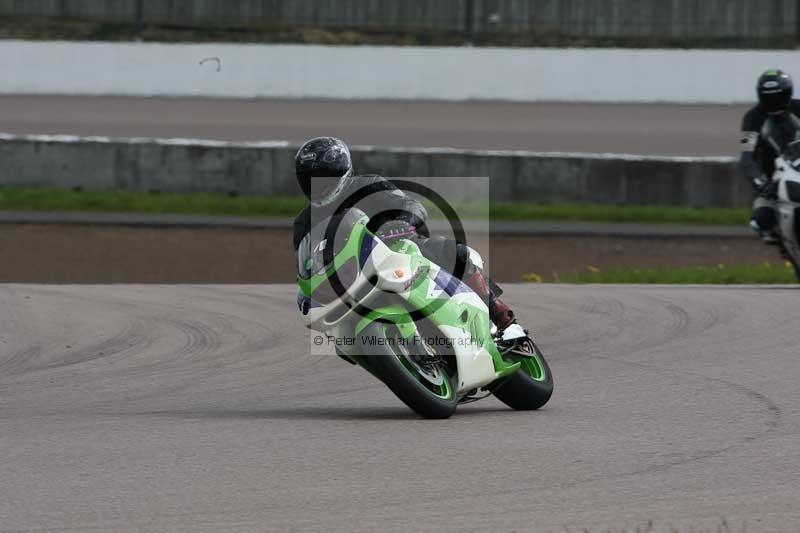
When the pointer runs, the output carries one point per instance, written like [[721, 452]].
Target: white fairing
[[475, 257], [475, 366], [514, 332], [785, 173]]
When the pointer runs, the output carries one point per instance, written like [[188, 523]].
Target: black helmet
[[774, 91], [326, 160]]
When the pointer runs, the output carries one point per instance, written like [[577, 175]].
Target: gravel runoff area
[[53, 253]]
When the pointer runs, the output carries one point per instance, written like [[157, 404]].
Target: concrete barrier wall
[[267, 168], [368, 72]]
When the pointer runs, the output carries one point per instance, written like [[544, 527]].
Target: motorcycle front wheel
[[424, 386]]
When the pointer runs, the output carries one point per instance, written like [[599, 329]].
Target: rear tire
[[532, 386], [394, 364]]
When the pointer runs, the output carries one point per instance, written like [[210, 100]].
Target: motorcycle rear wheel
[[532, 385]]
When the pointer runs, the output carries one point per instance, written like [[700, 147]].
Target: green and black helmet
[[775, 91]]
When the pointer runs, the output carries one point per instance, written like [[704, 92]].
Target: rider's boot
[[767, 237], [499, 312], [764, 221]]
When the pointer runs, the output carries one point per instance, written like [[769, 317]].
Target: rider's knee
[[766, 217]]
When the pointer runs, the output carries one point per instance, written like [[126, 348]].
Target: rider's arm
[[388, 197], [302, 225], [415, 212], [750, 136]]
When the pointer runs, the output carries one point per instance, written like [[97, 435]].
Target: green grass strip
[[52, 199], [765, 273], [618, 213], [57, 199]]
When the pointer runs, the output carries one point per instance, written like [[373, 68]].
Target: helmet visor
[[325, 189], [323, 186], [774, 102]]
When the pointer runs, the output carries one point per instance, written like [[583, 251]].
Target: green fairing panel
[[351, 249], [395, 313], [477, 322]]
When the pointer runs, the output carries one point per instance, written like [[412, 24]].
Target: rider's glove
[[760, 182], [766, 187], [396, 229]]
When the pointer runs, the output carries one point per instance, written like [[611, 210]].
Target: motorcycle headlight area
[[337, 284]]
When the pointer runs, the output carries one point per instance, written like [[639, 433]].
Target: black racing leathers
[[764, 137], [374, 195], [382, 201]]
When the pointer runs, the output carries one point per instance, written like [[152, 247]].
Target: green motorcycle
[[411, 324]]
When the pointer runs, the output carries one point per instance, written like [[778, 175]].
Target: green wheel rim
[[429, 381], [530, 362], [533, 368]]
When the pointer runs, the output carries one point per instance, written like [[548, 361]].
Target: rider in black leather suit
[[767, 128], [326, 162]]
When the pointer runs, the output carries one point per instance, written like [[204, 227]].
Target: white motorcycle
[[787, 183]]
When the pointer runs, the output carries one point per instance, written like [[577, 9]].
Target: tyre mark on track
[[131, 338], [210, 339], [770, 422], [17, 324], [680, 325], [200, 338]]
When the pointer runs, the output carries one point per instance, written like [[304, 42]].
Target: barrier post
[[139, 23]]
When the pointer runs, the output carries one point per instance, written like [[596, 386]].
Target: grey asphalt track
[[199, 408], [658, 129]]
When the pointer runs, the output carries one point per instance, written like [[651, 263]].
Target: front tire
[[428, 390], [532, 386]]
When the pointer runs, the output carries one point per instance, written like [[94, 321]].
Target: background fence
[[729, 23]]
